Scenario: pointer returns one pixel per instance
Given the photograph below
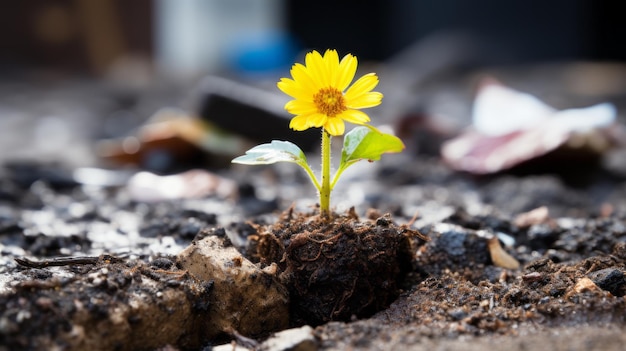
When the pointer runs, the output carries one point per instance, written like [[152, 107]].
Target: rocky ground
[[509, 261]]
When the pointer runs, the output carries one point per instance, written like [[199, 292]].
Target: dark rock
[[207, 218], [162, 263], [457, 314], [611, 280], [190, 227], [453, 242], [541, 235]]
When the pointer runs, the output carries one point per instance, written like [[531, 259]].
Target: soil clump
[[338, 269]]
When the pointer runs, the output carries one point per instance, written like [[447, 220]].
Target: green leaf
[[276, 151], [365, 143]]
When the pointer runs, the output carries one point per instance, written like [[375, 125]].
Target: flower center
[[329, 101]]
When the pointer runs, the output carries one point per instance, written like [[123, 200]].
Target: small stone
[[230, 347], [583, 285], [537, 216], [532, 277], [457, 314], [162, 263], [8, 327], [609, 279], [190, 227], [542, 234], [44, 303], [22, 315], [384, 221], [453, 242], [296, 339]]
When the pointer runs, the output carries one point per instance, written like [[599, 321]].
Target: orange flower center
[[329, 101]]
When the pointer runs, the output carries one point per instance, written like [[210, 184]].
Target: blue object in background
[[263, 52]]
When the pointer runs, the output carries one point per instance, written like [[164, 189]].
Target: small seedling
[[324, 98]]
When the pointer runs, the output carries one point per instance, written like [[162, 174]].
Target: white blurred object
[[192, 184], [192, 36], [500, 110]]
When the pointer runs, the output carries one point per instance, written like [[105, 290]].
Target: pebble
[[296, 339], [162, 263], [7, 326], [453, 242], [230, 347], [537, 216], [541, 234], [532, 277], [457, 314], [609, 279]]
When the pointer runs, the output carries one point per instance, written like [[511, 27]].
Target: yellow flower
[[321, 98]]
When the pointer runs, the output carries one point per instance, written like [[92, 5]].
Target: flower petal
[[299, 123], [331, 60], [301, 76], [335, 126], [354, 116], [301, 107], [346, 71], [366, 100], [293, 89], [361, 86], [317, 120], [317, 68]]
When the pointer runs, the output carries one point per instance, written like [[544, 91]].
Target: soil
[[437, 248], [337, 269]]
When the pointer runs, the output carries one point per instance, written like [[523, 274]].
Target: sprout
[[323, 98]]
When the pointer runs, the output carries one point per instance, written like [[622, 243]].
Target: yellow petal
[[299, 123], [346, 71], [354, 116], [361, 86], [335, 126], [302, 77], [300, 107], [293, 89], [331, 60], [317, 68], [317, 120], [366, 100]]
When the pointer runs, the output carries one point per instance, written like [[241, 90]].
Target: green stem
[[338, 172], [311, 174], [325, 189]]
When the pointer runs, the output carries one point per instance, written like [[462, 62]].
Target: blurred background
[[92, 36], [67, 63]]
